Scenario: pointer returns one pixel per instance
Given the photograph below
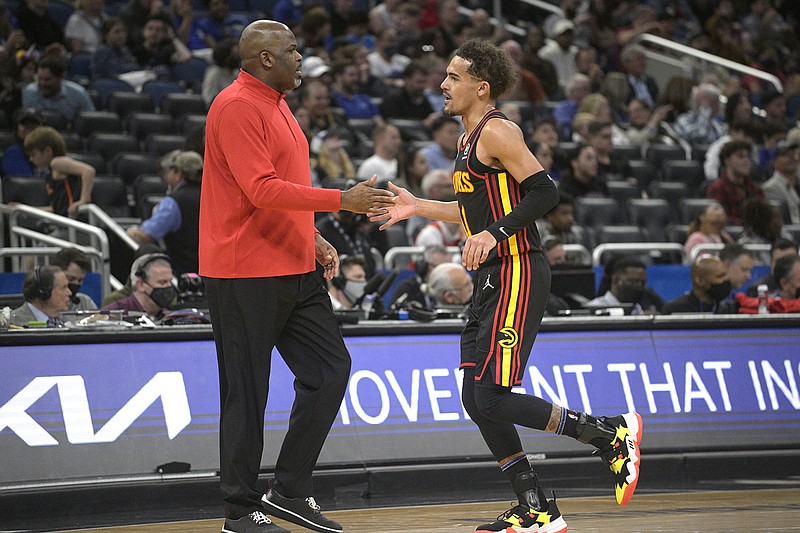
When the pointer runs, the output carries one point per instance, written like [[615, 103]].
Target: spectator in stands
[[581, 178], [331, 159], [290, 12], [224, 70], [348, 286], [527, 88], [644, 19], [409, 33], [47, 295], [782, 187], [626, 285], [84, 29], [559, 222], [384, 161], [153, 291], [346, 92], [738, 107], [450, 285], [678, 94], [385, 61], [436, 185], [586, 63], [580, 126], [113, 57], [545, 131], [707, 228], [15, 160], [176, 218], [763, 224], [127, 288], [634, 64], [577, 88], [75, 264], [617, 90], [734, 185], [135, 14], [413, 169], [349, 234], [544, 154], [599, 136], [51, 91], [560, 51], [185, 24], [739, 261], [787, 276], [40, 29], [315, 31], [315, 100], [384, 15], [220, 23], [780, 248], [441, 233], [544, 69], [69, 182], [554, 250], [738, 130], [441, 153], [645, 125], [710, 288], [409, 101], [160, 47], [411, 291], [17, 70], [701, 125]]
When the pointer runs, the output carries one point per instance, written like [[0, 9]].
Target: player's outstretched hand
[[404, 206], [363, 197]]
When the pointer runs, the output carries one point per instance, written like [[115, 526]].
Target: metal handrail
[[710, 58], [96, 214], [716, 247], [499, 20], [600, 249], [388, 259], [581, 250], [98, 237], [100, 265]]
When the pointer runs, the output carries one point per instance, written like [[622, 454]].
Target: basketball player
[[501, 189]]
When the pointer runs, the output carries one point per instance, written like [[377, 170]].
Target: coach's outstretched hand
[[403, 207], [363, 197]]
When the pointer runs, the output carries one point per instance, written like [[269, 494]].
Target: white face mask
[[354, 289]]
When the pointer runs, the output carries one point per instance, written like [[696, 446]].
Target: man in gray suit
[[47, 295]]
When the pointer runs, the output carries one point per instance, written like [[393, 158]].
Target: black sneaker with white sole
[[255, 522], [301, 511]]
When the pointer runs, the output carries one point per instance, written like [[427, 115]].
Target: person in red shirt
[[257, 254]]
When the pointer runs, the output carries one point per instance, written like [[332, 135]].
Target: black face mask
[[719, 291], [163, 296], [630, 293], [74, 288]]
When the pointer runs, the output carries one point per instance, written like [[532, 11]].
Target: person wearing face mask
[[710, 287], [153, 290], [75, 264], [347, 287], [627, 280], [348, 233]]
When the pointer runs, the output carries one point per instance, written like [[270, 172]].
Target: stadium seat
[[111, 195], [622, 233], [734, 231], [106, 86], [60, 12], [177, 105], [190, 73], [78, 70], [699, 152], [90, 158], [72, 141], [689, 208], [644, 172], [158, 88], [140, 125], [652, 214], [24, 190], [7, 138], [129, 166], [411, 129], [55, 119], [109, 145], [658, 153], [88, 122], [161, 143], [363, 126], [626, 153], [190, 121], [622, 191], [125, 103], [689, 172], [595, 212], [677, 233], [151, 185], [671, 191]]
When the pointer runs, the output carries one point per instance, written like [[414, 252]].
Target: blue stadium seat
[[158, 88], [106, 86], [190, 72]]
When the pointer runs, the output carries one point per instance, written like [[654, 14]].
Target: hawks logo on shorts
[[511, 337]]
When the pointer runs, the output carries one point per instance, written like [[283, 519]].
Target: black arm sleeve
[[541, 195]]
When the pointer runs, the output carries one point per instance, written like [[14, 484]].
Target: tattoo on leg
[[555, 419]]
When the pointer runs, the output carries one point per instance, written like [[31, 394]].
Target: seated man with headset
[[347, 288], [47, 295], [151, 278]]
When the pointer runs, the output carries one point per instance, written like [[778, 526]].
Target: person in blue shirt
[[15, 160], [345, 93], [176, 218], [220, 23], [52, 92]]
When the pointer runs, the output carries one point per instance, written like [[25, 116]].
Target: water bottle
[[763, 309]]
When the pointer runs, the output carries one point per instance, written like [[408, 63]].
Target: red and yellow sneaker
[[623, 455], [523, 519]]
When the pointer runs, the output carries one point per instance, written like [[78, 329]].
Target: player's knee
[[487, 401]]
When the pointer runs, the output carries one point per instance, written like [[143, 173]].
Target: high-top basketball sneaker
[[532, 514]]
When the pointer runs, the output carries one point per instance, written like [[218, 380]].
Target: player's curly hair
[[490, 64]]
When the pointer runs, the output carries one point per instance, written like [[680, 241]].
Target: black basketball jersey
[[487, 194]]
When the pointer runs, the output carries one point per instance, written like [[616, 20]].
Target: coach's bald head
[[268, 50]]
